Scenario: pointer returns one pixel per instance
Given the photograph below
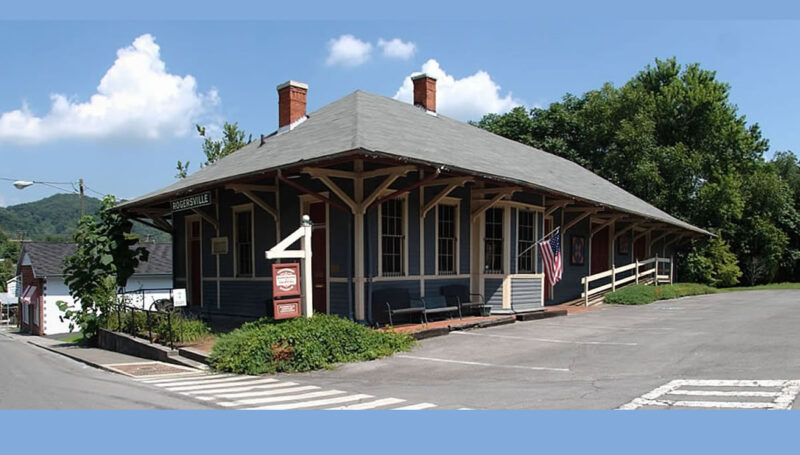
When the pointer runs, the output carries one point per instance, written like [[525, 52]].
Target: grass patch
[[302, 344], [72, 338], [640, 294], [763, 287]]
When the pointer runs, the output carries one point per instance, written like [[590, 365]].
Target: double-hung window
[[393, 237], [243, 239], [446, 230], [526, 251], [493, 241]]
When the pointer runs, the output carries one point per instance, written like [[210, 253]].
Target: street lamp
[[22, 184]]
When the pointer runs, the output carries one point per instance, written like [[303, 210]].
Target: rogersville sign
[[191, 202]]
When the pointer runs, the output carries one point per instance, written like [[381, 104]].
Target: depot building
[[404, 201]]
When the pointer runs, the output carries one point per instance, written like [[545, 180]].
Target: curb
[[540, 315], [73, 357]]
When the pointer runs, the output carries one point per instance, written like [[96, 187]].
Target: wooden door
[[600, 252], [319, 255], [194, 253], [639, 248]]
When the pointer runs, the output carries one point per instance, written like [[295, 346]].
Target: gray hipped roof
[[393, 128], [47, 258]]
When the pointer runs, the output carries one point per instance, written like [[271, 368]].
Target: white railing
[[641, 273]]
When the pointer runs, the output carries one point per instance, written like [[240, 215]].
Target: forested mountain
[[54, 219]]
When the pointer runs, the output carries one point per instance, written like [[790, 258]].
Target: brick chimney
[[291, 102], [425, 91]]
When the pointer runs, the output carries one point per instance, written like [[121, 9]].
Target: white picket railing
[[648, 275]]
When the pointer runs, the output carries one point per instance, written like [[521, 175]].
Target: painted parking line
[[481, 364], [546, 340], [781, 394], [601, 327]]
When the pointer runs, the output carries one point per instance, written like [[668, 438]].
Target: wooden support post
[[656, 271], [585, 292], [636, 280], [613, 278], [308, 281], [671, 263]]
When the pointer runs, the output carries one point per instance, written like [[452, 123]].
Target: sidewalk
[[96, 357]]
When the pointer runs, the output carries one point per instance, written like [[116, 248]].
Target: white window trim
[[453, 202], [404, 198], [236, 209], [536, 214]]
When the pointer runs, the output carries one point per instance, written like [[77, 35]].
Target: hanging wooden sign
[[286, 280]]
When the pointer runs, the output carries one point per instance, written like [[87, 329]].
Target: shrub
[[714, 264], [640, 294], [302, 344]]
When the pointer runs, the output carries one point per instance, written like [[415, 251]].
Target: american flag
[[551, 256]]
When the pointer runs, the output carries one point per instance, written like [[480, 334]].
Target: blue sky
[[127, 140]]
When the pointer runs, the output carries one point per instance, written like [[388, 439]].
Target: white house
[[41, 267]]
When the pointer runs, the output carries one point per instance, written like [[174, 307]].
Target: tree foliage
[[105, 258], [9, 252], [672, 137], [216, 149]]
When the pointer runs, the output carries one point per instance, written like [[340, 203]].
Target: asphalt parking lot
[[695, 352]]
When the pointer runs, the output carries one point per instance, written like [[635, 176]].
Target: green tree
[[216, 149], [9, 253], [104, 260], [672, 137], [713, 263]]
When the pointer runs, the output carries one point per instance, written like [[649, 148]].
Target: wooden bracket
[[578, 219]]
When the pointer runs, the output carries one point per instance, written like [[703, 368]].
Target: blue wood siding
[[570, 286], [430, 242], [465, 222], [238, 298], [526, 294], [493, 292], [340, 299], [340, 235], [434, 287]]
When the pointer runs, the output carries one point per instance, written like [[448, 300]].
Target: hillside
[[55, 218]]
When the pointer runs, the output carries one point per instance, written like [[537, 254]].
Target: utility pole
[[80, 184]]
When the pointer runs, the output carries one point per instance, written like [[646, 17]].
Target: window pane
[[392, 248], [447, 239], [494, 241], [526, 251], [244, 243]]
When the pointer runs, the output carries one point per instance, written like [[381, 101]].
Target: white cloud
[[468, 98], [396, 48], [136, 98], [347, 50]]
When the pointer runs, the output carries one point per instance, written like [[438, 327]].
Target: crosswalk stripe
[[270, 385], [415, 407], [640, 402], [278, 399], [312, 404], [183, 378], [368, 405], [726, 393], [207, 381], [241, 382], [264, 393]]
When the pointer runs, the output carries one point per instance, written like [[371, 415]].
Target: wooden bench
[[459, 294], [398, 302], [437, 304]]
